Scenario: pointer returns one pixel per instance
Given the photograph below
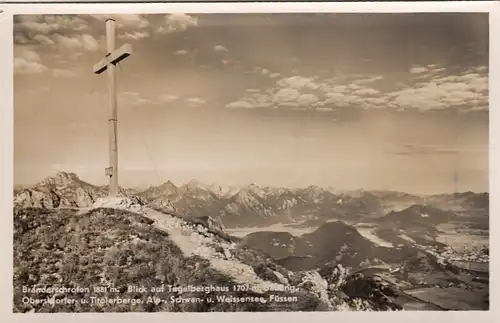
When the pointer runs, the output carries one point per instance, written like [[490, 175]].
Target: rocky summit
[[118, 242]]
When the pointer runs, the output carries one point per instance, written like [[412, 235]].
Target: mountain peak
[[61, 190], [421, 214], [253, 189], [337, 225], [169, 183], [60, 179], [67, 176], [314, 188], [167, 187], [193, 184]]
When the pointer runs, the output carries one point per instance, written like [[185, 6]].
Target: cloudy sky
[[373, 101]]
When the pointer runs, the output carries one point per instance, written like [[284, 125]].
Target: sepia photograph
[[251, 162]]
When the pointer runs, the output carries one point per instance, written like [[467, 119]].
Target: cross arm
[[113, 58]]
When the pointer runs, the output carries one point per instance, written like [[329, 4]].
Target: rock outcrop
[[67, 190], [64, 190]]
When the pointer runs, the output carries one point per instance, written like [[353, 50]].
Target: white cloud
[[89, 43], [354, 86], [20, 39], [168, 97], [68, 42], [132, 20], [181, 52], [135, 99], [296, 82], [130, 93], [290, 105], [138, 101], [366, 91], [67, 22], [337, 89], [324, 109], [45, 24], [24, 66], [40, 27], [307, 99], [63, 73], [340, 99], [300, 92], [268, 73], [42, 39], [27, 61], [255, 100], [286, 95], [418, 70], [135, 35], [452, 91], [240, 105], [220, 48], [368, 80], [86, 42], [196, 101], [374, 102], [468, 91], [26, 53], [177, 22]]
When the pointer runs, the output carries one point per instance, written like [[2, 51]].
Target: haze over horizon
[[352, 101]]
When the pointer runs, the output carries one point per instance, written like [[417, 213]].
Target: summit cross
[[113, 57]]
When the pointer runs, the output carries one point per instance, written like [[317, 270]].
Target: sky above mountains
[[373, 101]]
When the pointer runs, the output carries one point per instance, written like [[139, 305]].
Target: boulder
[[313, 282]]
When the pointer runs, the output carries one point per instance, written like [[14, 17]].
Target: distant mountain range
[[250, 205]]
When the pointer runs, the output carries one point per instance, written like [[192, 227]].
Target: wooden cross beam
[[108, 63], [113, 58]]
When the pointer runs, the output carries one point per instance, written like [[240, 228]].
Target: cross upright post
[[108, 63]]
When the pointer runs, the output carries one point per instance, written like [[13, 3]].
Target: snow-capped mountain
[[316, 195], [246, 207], [286, 203], [221, 191], [255, 190]]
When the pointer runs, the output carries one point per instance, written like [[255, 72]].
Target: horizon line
[[330, 188]]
